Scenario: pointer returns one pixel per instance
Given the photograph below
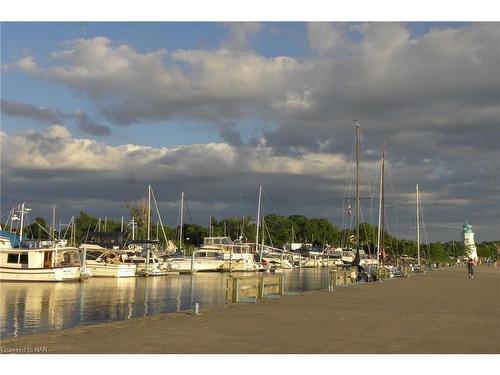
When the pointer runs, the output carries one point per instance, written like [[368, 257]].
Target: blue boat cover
[[14, 238]]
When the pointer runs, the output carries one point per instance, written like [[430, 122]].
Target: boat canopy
[[14, 238]]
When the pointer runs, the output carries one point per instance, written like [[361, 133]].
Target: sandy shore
[[439, 312]]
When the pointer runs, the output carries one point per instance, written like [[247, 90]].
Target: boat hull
[[111, 270], [41, 274], [198, 266]]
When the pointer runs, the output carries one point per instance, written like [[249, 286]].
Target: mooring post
[[354, 276], [192, 261], [196, 309], [236, 290], [229, 285], [261, 287], [345, 277], [282, 285], [333, 280]]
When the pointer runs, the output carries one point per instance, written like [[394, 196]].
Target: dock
[[442, 311]]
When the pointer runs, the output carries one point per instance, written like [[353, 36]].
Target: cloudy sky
[[93, 112]]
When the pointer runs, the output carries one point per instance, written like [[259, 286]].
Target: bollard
[[345, 277], [196, 309], [282, 285]]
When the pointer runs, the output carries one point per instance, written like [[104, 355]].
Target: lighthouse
[[469, 245]]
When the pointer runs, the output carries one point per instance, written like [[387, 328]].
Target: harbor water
[[28, 308]]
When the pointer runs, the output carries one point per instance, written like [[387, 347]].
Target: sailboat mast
[[258, 223], [53, 234], [418, 228], [357, 184], [182, 221], [380, 207], [382, 213], [149, 212], [22, 222]]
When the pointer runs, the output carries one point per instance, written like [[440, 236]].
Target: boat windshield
[[207, 254]]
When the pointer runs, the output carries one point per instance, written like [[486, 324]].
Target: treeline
[[277, 231]]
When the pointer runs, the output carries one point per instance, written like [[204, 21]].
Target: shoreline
[[439, 312]]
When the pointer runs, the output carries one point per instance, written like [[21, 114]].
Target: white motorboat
[[236, 255], [332, 258], [108, 263], [203, 261], [312, 262], [154, 268], [278, 260]]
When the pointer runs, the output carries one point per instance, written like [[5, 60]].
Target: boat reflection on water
[[27, 308]]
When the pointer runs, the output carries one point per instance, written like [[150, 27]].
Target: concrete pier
[[438, 312]]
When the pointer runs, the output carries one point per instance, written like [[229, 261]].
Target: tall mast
[[380, 209], [258, 223], [418, 228], [132, 222], [53, 222], [149, 212], [357, 183], [382, 213], [22, 222], [182, 221]]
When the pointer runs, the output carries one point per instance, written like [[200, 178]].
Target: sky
[[91, 113]]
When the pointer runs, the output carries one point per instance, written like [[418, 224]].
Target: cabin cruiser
[[236, 255], [275, 259], [203, 261], [42, 264], [107, 263], [312, 262], [140, 252], [332, 257]]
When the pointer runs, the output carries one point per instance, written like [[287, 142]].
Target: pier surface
[[439, 312]]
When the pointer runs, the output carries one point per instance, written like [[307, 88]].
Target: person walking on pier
[[470, 268]]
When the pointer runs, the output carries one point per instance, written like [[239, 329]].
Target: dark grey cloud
[[20, 109], [230, 135], [89, 126], [83, 120]]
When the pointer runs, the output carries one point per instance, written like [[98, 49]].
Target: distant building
[[469, 245]]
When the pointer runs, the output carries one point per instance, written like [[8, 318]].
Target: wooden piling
[[261, 287], [236, 290]]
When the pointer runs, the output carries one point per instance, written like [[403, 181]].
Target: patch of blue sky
[[418, 29], [164, 134]]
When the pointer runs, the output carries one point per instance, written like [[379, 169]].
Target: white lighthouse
[[469, 245]]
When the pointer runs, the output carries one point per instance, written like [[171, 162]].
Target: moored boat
[[51, 264]]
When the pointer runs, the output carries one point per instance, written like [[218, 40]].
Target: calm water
[[27, 308]]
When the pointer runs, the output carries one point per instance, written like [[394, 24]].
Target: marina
[[275, 187]]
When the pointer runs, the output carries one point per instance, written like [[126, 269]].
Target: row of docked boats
[[55, 261]]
